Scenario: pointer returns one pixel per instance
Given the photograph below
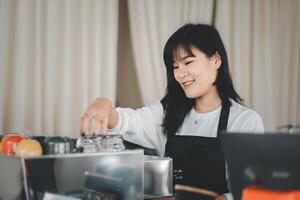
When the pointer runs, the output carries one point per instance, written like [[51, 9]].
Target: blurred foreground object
[[186, 192], [30, 177], [256, 193], [267, 161]]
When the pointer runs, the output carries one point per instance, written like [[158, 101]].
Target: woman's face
[[196, 74]]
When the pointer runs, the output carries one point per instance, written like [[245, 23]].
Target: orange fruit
[[10, 142], [29, 147]]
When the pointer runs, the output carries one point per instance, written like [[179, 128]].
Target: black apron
[[198, 161]]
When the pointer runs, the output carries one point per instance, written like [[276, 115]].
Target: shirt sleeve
[[253, 123], [248, 121], [142, 126]]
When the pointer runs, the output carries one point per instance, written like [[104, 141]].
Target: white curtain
[[56, 56], [263, 43], [151, 23], [261, 37]]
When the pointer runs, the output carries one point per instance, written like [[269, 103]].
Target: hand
[[221, 197], [101, 114]]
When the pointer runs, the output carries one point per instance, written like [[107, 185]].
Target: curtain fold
[[262, 40], [56, 57], [151, 23]]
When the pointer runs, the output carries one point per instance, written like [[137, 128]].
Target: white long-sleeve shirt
[[144, 126]]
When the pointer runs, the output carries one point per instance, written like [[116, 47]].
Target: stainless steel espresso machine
[[125, 174]]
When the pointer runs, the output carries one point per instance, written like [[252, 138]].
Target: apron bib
[[198, 161]]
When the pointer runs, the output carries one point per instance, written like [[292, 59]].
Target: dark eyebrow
[[187, 56]]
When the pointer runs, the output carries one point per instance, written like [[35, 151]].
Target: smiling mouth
[[187, 83]]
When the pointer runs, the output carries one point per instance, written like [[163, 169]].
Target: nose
[[182, 75], [182, 71]]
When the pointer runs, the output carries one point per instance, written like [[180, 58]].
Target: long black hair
[[175, 103]]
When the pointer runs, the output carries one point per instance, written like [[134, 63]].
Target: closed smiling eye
[[189, 62]]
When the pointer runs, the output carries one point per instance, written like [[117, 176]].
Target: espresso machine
[[114, 172]]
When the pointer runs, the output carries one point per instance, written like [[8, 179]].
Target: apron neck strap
[[223, 119]]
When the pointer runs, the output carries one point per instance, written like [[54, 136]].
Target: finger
[[94, 125], [104, 125], [84, 125], [99, 128], [82, 134]]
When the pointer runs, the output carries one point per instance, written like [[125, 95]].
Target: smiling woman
[[196, 71], [199, 88], [196, 60]]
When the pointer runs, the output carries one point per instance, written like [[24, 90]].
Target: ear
[[216, 59]]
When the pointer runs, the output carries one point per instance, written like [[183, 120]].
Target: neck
[[208, 102]]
